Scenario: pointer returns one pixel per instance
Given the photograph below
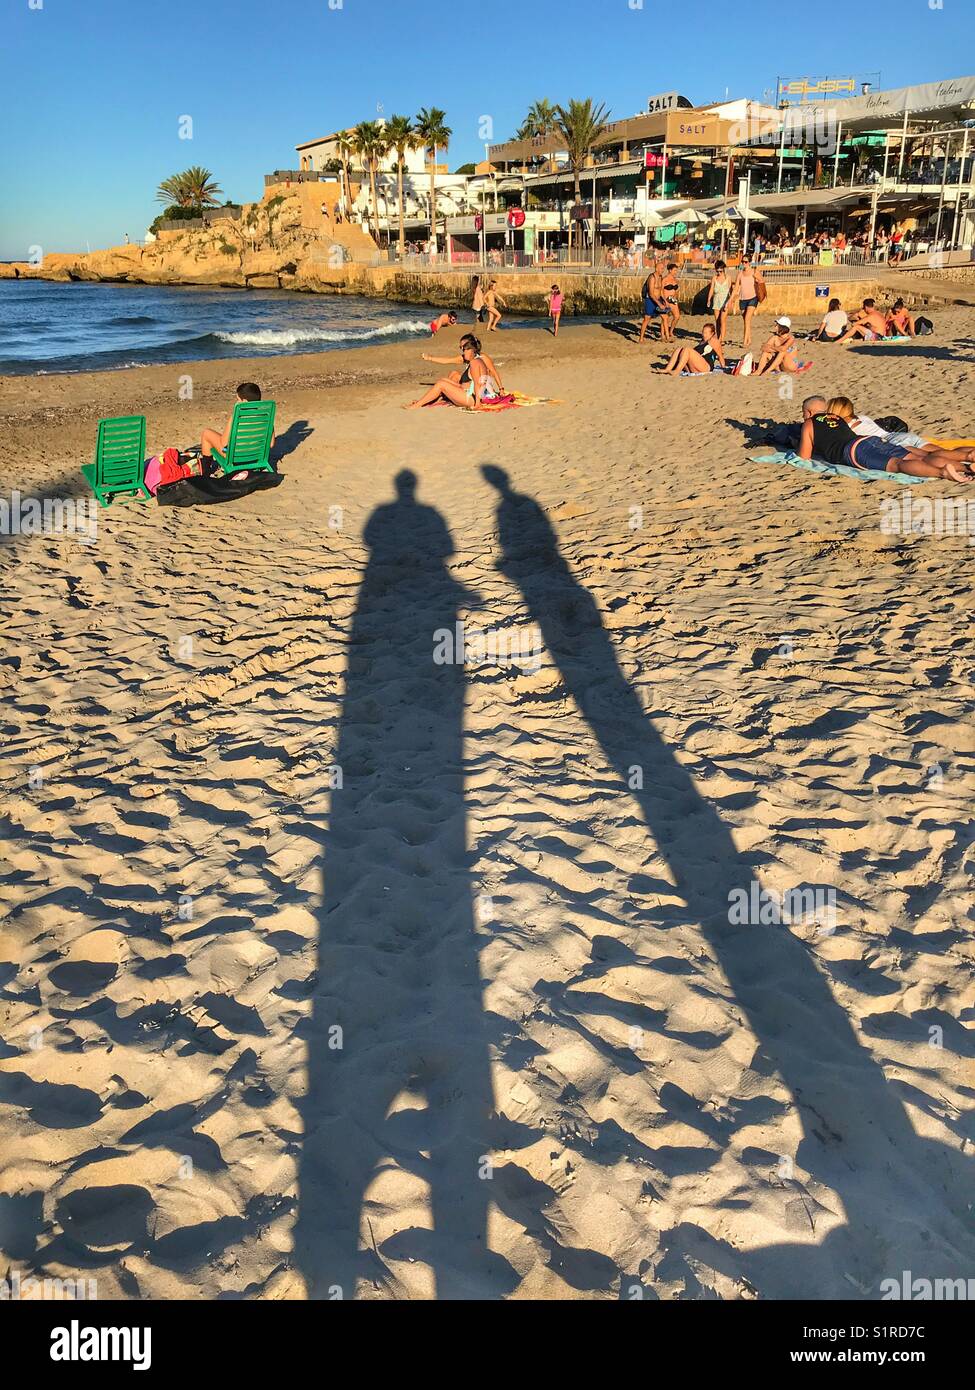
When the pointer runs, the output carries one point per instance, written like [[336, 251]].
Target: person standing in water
[[478, 301]]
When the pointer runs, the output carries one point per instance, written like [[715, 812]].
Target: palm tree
[[433, 134], [580, 125], [346, 150], [540, 120], [173, 191], [203, 190], [401, 137], [369, 144]]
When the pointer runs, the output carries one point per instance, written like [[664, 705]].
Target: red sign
[[653, 161], [516, 217]]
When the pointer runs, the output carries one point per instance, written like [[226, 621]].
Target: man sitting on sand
[[211, 439], [867, 323], [828, 435], [900, 322]]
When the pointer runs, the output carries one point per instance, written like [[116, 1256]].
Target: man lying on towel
[[827, 434]]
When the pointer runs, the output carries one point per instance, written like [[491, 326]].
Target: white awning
[[942, 101]]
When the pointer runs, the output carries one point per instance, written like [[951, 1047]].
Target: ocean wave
[[130, 320], [290, 337]]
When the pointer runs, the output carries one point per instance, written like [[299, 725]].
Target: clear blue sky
[[93, 89]]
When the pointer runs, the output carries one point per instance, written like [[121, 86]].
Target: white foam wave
[[290, 337]]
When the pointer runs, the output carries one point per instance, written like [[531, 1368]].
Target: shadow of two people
[[400, 1098]]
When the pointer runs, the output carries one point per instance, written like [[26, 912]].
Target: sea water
[[48, 326]]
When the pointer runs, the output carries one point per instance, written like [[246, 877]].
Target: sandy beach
[[327, 967]]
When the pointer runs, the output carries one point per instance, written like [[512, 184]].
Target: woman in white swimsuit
[[718, 295]]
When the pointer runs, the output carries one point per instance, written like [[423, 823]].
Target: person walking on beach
[[669, 286], [555, 309], [749, 292], [478, 302], [491, 301], [653, 302], [719, 293]]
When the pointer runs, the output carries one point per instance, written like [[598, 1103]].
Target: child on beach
[[211, 439], [446, 320], [491, 301], [555, 309]]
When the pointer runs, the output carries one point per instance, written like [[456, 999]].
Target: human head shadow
[[291, 439], [399, 1083], [857, 1141]]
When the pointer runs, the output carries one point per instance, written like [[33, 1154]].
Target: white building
[[451, 189]]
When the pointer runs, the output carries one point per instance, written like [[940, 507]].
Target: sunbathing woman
[[829, 435], [459, 361], [475, 389], [779, 353], [708, 356]]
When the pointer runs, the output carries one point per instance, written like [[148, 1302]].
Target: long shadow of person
[[856, 1137], [399, 1086]]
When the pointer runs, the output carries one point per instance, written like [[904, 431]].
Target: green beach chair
[[118, 469], [251, 432]]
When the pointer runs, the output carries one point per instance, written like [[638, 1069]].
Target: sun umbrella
[[690, 217]]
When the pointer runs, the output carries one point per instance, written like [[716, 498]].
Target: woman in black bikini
[[708, 356], [669, 288]]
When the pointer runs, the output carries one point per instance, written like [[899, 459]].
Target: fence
[[300, 176], [195, 224]]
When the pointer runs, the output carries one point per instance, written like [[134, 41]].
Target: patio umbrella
[[690, 217]]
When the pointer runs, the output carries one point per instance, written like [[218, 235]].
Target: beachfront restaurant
[[901, 157], [665, 157]]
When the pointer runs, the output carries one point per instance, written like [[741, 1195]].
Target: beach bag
[[743, 367], [761, 289], [893, 424], [923, 326]]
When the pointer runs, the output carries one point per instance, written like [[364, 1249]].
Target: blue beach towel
[[839, 470]]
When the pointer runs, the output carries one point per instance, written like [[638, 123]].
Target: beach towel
[[516, 400], [195, 492], [863, 475]]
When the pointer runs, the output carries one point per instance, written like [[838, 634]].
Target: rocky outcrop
[[265, 249]]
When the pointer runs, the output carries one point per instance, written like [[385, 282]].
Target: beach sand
[[326, 968]]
